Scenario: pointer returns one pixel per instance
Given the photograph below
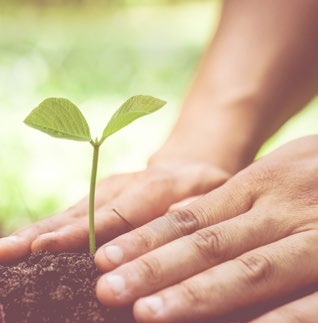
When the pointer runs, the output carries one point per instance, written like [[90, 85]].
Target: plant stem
[[91, 207]]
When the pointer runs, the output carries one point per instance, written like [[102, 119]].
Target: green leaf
[[59, 118], [134, 108]]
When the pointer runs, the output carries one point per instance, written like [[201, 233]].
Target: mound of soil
[[54, 288]]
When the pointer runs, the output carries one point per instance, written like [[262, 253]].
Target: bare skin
[[262, 245], [259, 70], [253, 256], [140, 197]]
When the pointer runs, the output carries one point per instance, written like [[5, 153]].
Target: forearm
[[259, 70]]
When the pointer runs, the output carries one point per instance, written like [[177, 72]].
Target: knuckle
[[150, 269], [153, 178], [192, 294], [74, 211], [37, 227], [256, 268], [261, 176], [184, 221], [210, 243], [144, 237]]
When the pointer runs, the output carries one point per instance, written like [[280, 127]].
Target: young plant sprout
[[61, 118]]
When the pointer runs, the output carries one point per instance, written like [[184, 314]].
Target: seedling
[[61, 118]]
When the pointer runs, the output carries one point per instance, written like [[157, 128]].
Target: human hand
[[251, 240], [122, 202]]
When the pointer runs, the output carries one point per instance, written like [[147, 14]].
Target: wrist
[[227, 136]]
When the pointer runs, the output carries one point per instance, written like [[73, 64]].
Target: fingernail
[[154, 303], [116, 283], [114, 254]]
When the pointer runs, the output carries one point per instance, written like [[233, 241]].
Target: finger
[[193, 253], [202, 213], [256, 276], [74, 236], [19, 243], [300, 310]]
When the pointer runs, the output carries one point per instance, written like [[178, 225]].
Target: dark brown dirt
[[54, 288]]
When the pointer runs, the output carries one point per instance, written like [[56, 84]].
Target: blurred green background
[[97, 54]]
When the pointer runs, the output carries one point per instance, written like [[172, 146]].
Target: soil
[[61, 289], [54, 288]]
